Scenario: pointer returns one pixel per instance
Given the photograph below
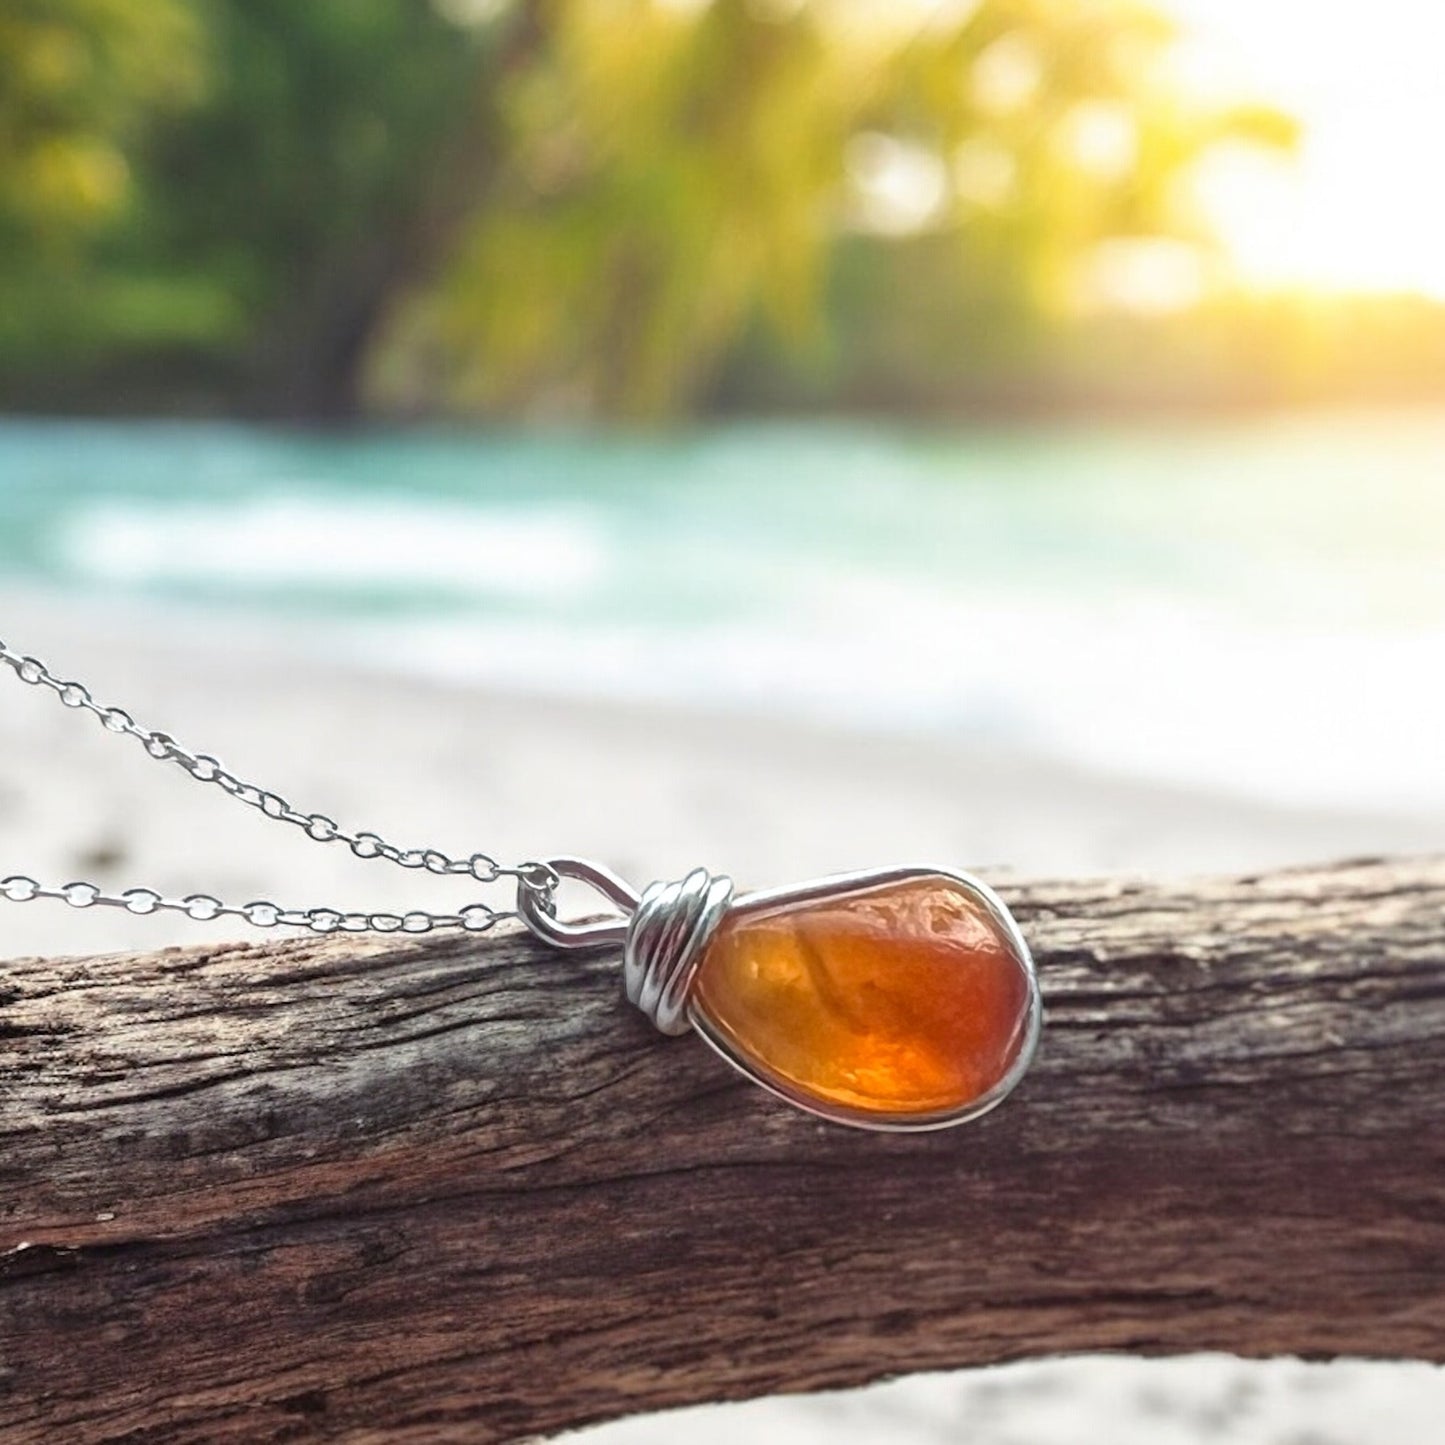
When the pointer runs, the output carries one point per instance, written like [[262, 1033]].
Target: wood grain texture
[[455, 1190]]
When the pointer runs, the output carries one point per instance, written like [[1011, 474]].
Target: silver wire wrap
[[665, 942], [664, 931]]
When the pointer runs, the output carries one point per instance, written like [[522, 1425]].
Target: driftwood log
[[455, 1190]]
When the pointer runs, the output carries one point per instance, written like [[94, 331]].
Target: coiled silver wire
[[666, 939], [664, 931]]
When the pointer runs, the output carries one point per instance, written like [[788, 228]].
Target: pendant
[[896, 999]]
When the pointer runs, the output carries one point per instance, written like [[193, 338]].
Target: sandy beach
[[651, 792]]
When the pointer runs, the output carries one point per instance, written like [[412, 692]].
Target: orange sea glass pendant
[[898, 999], [903, 1003]]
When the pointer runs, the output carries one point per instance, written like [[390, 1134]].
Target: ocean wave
[[336, 543], [1261, 611]]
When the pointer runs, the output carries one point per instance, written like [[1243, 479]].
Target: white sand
[[651, 793]]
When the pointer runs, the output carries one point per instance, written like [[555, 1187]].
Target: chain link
[[475, 918], [539, 878]]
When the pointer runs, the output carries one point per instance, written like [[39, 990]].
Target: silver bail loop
[[535, 906], [664, 931]]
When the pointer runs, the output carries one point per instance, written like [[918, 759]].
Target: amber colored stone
[[905, 999]]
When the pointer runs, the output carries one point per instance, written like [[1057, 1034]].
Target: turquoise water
[[1258, 606]]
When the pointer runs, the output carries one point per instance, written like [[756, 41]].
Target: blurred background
[[786, 435]]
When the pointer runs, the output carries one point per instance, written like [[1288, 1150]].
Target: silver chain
[[538, 878]]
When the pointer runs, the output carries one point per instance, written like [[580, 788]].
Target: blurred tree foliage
[[333, 154], [80, 81], [620, 207]]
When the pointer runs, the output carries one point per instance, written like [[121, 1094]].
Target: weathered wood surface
[[455, 1190]]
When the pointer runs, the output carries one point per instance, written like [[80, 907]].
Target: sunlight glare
[[1358, 209]]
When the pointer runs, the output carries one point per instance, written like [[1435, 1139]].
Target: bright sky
[[1362, 207]]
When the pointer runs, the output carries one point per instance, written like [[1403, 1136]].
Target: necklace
[[894, 999]]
